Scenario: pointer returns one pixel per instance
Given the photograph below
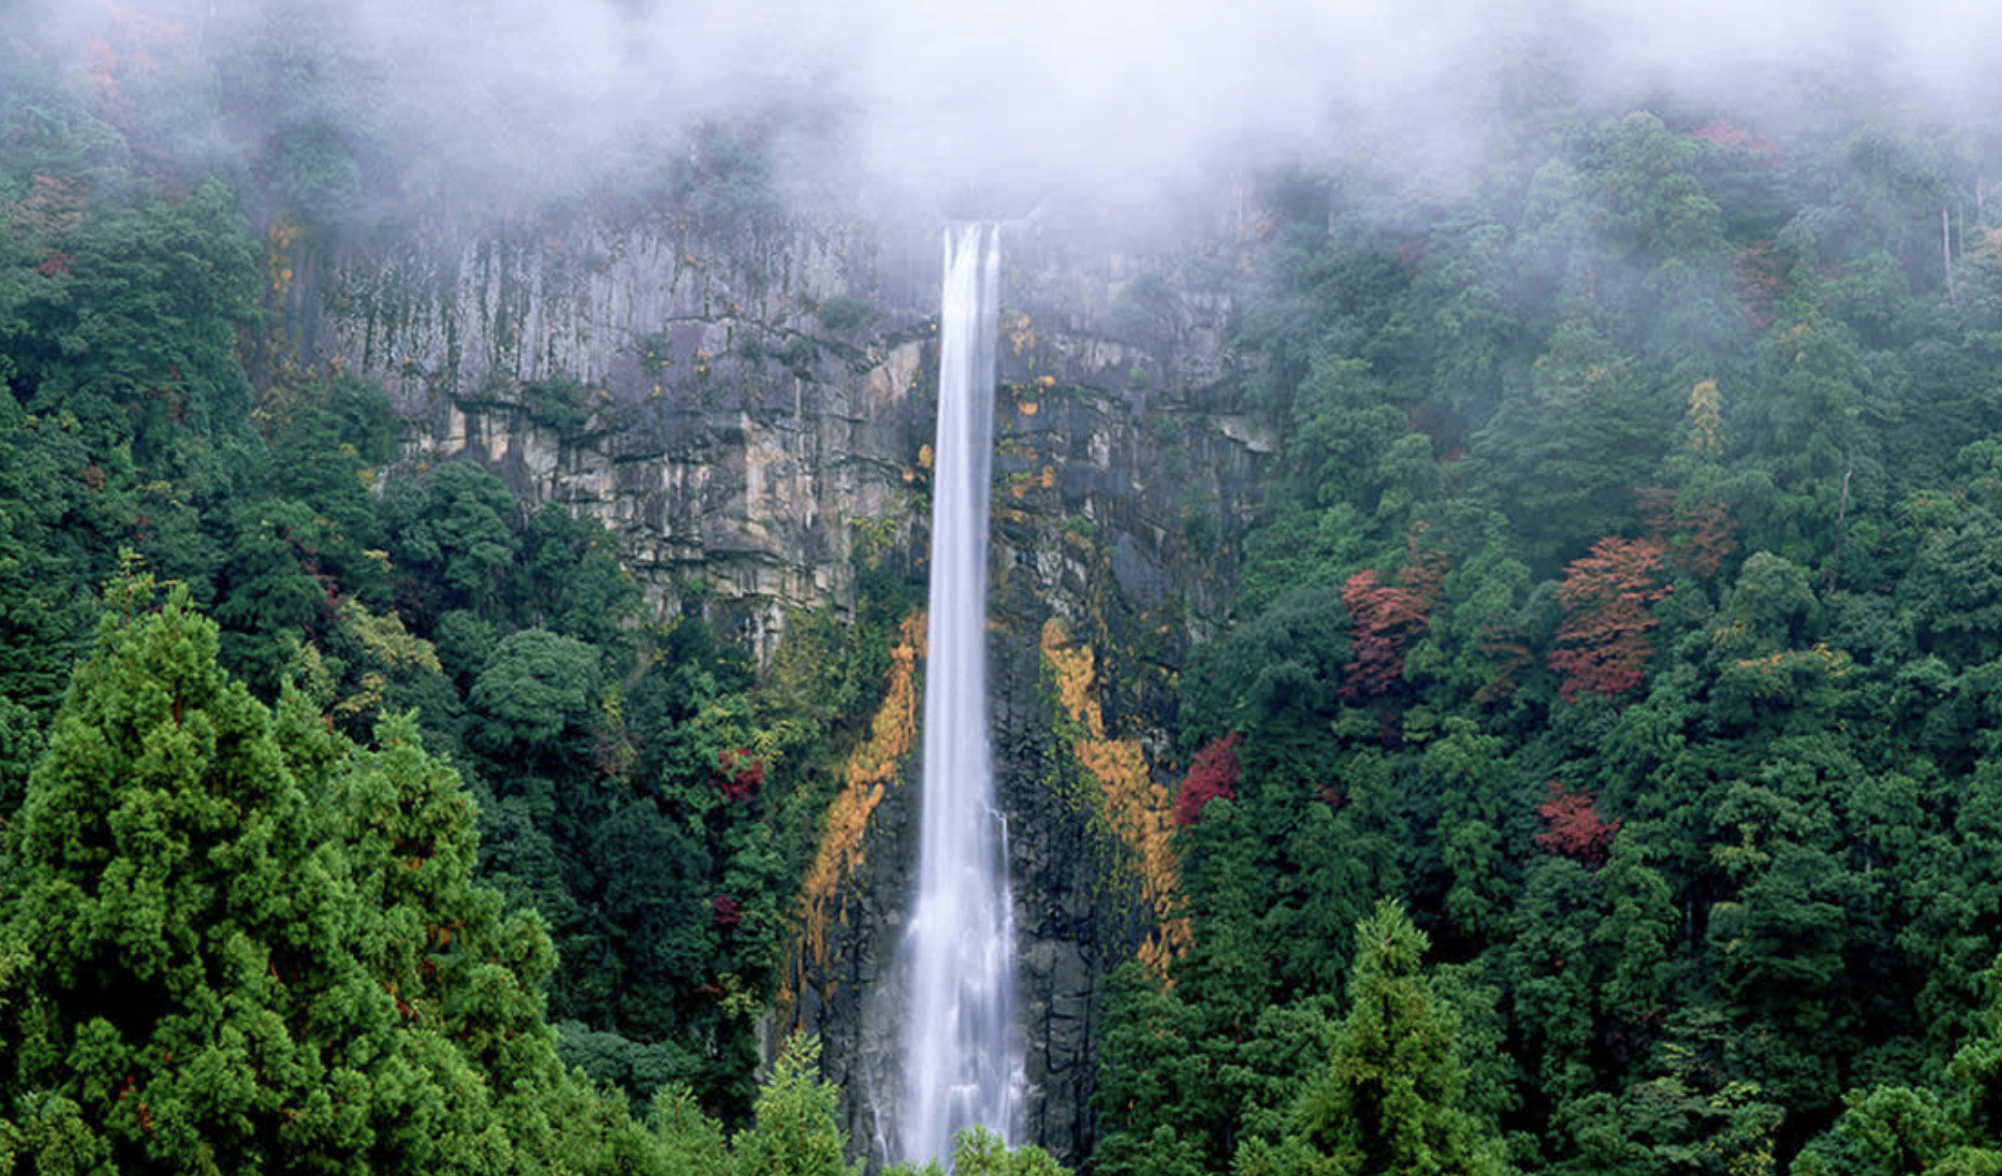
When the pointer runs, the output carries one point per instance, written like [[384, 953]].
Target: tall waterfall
[[961, 1061]]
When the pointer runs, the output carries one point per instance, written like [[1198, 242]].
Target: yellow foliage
[[370, 696], [387, 640], [871, 768], [1731, 636], [390, 646], [282, 235], [1783, 673], [1706, 420], [1019, 331], [1074, 668], [1138, 810]]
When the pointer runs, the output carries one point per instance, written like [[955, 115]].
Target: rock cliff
[[740, 407]]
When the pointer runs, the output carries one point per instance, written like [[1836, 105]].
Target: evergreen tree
[[235, 943], [796, 1132], [1901, 1131], [976, 1151], [190, 999], [1389, 1100]]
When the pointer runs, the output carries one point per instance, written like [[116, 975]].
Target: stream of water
[[962, 1064]]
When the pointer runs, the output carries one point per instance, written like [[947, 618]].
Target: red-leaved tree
[[1573, 828], [1725, 133], [1383, 621], [1602, 645], [1213, 774], [739, 773], [1698, 537], [1760, 275]]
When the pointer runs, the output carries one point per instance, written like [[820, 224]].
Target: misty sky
[[1115, 96]]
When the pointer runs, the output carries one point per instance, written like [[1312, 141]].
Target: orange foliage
[[871, 768], [1138, 810], [44, 219], [124, 47], [1508, 650], [1725, 133], [1760, 275]]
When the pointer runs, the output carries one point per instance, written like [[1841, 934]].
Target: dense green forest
[[1627, 612], [1600, 773]]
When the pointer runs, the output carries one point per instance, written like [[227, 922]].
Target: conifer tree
[[797, 1133], [1901, 1131], [185, 996], [234, 942], [1390, 1098]]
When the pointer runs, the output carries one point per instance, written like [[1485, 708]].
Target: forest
[[1600, 771]]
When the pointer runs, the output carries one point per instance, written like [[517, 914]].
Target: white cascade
[[962, 1063]]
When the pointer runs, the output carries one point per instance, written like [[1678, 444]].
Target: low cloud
[[1114, 100]]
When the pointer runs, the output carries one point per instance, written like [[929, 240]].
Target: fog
[[1115, 100]]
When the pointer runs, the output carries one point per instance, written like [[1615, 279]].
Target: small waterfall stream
[[962, 1063]]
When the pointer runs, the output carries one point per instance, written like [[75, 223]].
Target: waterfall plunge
[[961, 1062]]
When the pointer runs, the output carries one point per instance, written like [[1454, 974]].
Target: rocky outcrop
[[728, 407], [732, 406]]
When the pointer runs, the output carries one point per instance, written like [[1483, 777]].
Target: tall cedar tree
[[1927, 1132], [1390, 1099], [235, 944], [797, 1132], [188, 997]]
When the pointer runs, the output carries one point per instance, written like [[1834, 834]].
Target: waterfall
[[961, 1062]]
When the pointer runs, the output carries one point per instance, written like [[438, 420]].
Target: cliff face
[[740, 408], [699, 395]]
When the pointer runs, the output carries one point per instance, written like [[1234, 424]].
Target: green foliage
[[976, 1151], [1899, 1130], [795, 1133], [1658, 330], [451, 542], [536, 686], [560, 402], [727, 178], [1661, 337], [212, 975], [1389, 1099], [846, 315]]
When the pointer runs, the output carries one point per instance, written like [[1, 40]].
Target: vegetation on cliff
[[1599, 772]]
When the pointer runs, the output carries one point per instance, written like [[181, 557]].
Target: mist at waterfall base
[[961, 1055]]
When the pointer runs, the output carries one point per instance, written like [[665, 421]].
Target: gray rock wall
[[729, 408]]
